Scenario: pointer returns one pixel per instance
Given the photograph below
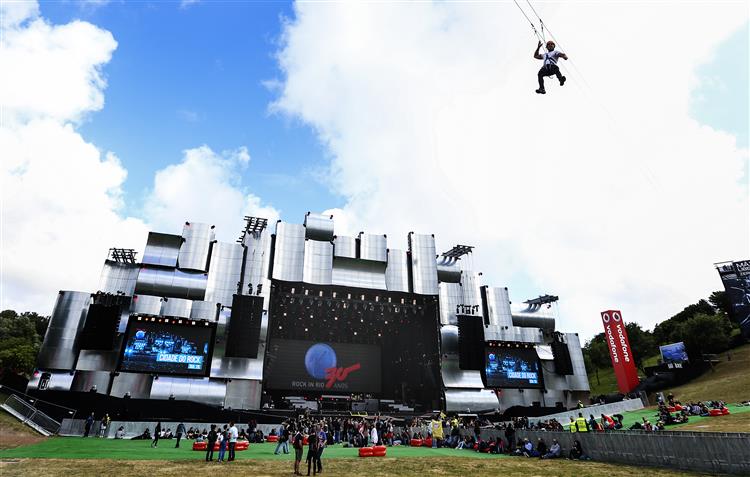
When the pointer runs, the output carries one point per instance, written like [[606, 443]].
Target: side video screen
[[512, 368], [166, 346]]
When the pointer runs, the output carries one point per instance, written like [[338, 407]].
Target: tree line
[[704, 327], [21, 335]]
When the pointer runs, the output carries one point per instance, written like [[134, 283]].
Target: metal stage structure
[[298, 315]]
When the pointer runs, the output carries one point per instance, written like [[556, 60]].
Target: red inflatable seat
[[241, 446], [670, 408], [378, 451], [678, 407], [415, 442], [273, 438], [714, 412], [365, 451], [427, 442], [724, 411], [200, 446]]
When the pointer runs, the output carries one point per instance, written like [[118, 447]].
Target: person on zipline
[[550, 64]]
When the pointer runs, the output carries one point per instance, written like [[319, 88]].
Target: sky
[[618, 190]]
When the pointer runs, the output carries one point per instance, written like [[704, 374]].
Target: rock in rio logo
[[321, 363]]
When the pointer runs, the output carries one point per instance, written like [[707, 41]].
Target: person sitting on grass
[[554, 451], [120, 433], [576, 453], [541, 447]]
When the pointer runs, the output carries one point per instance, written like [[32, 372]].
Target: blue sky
[[413, 96], [186, 76]]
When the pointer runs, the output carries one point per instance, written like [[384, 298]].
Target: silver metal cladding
[[451, 296], [118, 277], [203, 310], [358, 273], [172, 283], [448, 270], [145, 305], [289, 253], [162, 249], [176, 307], [397, 271], [534, 316], [243, 394], [225, 273], [318, 227], [205, 390], [257, 261], [579, 381], [318, 262], [498, 306], [373, 247], [240, 368], [91, 381], [193, 253], [344, 246], [460, 400], [137, 384], [59, 349], [423, 265]]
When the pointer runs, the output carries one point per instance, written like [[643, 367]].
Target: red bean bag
[[273, 438], [365, 451], [427, 442], [216, 446], [242, 445], [199, 446], [714, 412], [678, 407], [724, 411], [378, 451], [415, 442], [670, 408]]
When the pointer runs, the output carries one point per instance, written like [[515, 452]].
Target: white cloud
[[205, 187], [188, 3], [605, 191], [60, 194]]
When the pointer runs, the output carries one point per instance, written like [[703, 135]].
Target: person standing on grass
[[180, 432], [88, 424], [312, 451], [223, 442], [233, 433], [157, 433], [211, 442], [298, 443]]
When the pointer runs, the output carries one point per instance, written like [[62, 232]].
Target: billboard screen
[[512, 368], [322, 366], [167, 346], [736, 279], [673, 353]]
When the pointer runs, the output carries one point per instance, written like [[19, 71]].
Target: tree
[[664, 332], [720, 301], [20, 338], [596, 355], [705, 334], [642, 343]]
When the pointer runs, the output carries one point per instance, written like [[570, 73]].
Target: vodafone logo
[[605, 317], [616, 316]]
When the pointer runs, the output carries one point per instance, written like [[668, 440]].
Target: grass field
[[737, 421], [135, 458], [730, 380]]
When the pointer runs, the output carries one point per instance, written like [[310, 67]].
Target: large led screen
[[674, 353], [512, 368], [167, 346], [322, 366]]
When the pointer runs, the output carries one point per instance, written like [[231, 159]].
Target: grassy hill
[[13, 433], [729, 381]]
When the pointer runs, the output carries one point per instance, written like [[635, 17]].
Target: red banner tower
[[616, 338]]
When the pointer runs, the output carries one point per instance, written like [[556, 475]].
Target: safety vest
[[581, 424], [572, 427]]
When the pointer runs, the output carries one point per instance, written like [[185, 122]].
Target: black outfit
[[157, 431], [87, 426], [212, 436], [313, 456], [180, 432], [549, 70]]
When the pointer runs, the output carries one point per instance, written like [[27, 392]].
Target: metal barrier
[[30, 415]]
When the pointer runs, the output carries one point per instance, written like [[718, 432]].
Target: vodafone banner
[[619, 350]]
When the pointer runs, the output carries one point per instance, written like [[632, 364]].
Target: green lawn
[[629, 418], [93, 448]]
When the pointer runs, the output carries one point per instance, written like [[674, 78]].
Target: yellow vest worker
[[437, 429], [572, 425], [582, 425]]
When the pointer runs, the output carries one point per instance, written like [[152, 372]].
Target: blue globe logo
[[318, 358], [140, 334]]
